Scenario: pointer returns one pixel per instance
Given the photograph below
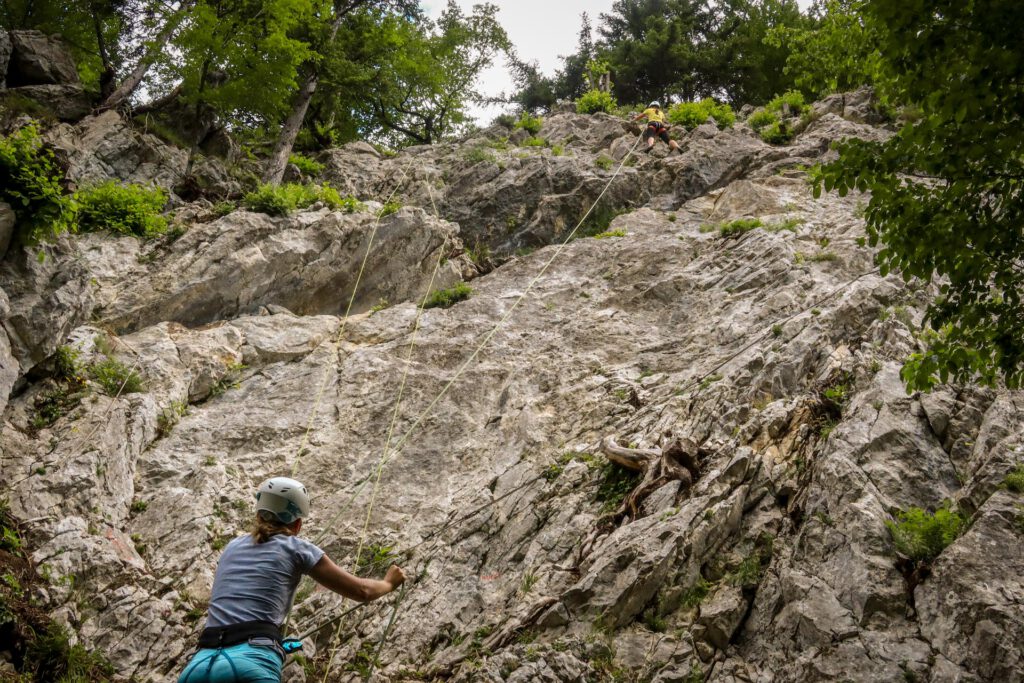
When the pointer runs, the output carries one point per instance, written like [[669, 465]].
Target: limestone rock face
[[39, 59], [40, 68], [775, 353], [106, 147]]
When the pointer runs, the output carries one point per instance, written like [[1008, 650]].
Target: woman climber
[[254, 587], [656, 127]]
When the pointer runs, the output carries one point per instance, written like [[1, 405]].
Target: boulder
[[63, 101], [39, 59]]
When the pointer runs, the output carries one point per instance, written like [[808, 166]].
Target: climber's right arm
[[330, 575]]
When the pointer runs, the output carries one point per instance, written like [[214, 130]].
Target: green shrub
[[604, 163], [476, 155], [535, 142], [31, 182], [739, 226], [776, 134], [52, 657], [280, 200], [306, 165], [1015, 480], [221, 209], [389, 208], [594, 101], [921, 535], [126, 209], [692, 114], [115, 377], [794, 98], [762, 118], [531, 124], [609, 233], [445, 298]]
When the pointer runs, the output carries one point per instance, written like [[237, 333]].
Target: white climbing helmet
[[654, 105], [284, 499]]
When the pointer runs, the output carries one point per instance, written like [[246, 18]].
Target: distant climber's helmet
[[654, 105], [282, 499]]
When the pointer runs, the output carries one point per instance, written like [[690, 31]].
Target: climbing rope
[[387, 440], [344, 323], [387, 456]]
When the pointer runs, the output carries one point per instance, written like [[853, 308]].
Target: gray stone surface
[[775, 566], [39, 59]]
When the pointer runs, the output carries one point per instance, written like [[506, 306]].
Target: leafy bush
[[535, 142], [115, 377], [594, 101], [776, 134], [739, 226], [126, 209], [921, 535], [692, 114], [31, 183], [280, 200], [306, 165], [531, 124], [445, 298], [794, 98], [761, 119]]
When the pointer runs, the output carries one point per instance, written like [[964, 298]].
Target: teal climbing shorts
[[254, 662]]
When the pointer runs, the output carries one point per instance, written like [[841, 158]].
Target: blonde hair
[[263, 529]]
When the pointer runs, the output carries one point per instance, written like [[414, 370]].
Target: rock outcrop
[[774, 354], [40, 68]]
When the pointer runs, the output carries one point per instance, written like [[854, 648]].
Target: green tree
[[947, 191], [741, 63], [653, 47], [423, 85], [837, 52]]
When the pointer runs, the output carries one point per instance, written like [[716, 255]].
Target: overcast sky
[[540, 30]]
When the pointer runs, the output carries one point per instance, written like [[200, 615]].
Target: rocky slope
[[767, 362]]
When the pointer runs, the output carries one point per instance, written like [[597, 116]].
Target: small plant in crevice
[[616, 482], [695, 594], [389, 207], [374, 559], [115, 378], [610, 233], [307, 166], [379, 306], [170, 416], [739, 227], [446, 298], [604, 162], [1014, 481], [528, 582], [921, 535], [230, 380]]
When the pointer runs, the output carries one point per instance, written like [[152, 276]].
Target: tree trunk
[[273, 172], [132, 81]]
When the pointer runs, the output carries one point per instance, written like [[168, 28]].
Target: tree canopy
[[947, 190]]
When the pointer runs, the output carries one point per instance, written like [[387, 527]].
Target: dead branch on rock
[[676, 461]]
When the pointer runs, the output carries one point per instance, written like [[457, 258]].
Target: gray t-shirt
[[257, 581]]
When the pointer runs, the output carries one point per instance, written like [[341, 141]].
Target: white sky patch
[[541, 31]]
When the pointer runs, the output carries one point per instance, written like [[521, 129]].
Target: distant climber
[[254, 587], [656, 127]]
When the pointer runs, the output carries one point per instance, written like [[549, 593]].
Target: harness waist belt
[[233, 634]]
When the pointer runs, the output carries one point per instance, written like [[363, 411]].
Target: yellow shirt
[[653, 114]]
